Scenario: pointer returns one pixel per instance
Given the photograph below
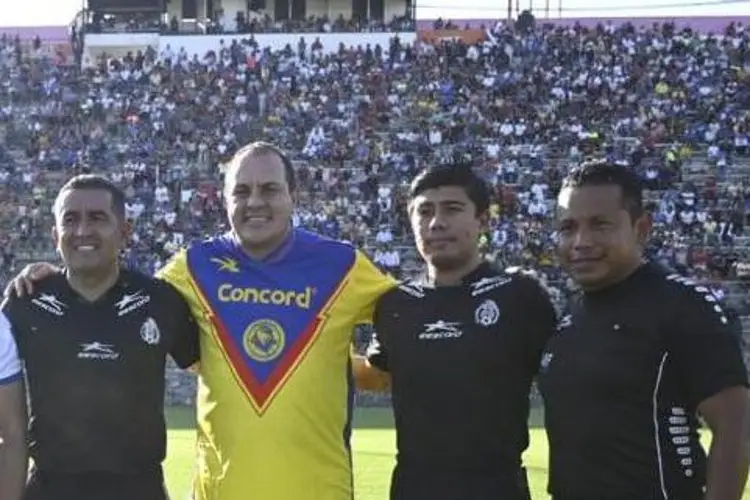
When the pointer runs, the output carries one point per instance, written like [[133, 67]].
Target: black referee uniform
[[95, 375], [462, 359], [622, 379]]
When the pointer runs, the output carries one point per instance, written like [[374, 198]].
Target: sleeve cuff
[[13, 378]]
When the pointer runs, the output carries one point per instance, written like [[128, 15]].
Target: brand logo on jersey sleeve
[[485, 285], [129, 302], [50, 303], [565, 322], [226, 264], [414, 289]]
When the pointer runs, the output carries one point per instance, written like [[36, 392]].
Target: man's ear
[[484, 221], [643, 226], [127, 230]]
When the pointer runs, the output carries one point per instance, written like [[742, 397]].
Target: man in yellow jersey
[[277, 307]]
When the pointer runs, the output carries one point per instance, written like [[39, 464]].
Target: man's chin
[[591, 279], [89, 268], [445, 262], [83, 263], [260, 240]]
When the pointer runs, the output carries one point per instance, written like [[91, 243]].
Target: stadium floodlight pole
[[510, 10]]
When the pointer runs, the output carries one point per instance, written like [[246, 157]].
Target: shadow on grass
[[180, 418], [382, 418], [183, 418]]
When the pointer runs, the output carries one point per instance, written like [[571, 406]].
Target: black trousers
[[95, 486], [421, 484]]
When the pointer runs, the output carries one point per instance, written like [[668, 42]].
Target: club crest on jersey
[[487, 313], [150, 332], [264, 340]]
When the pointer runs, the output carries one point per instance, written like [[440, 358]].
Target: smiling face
[[599, 242], [259, 202], [446, 226], [88, 234]]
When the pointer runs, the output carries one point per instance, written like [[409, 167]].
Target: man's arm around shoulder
[[185, 338], [371, 370], [368, 377]]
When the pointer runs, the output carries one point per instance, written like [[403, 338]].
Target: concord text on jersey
[[301, 299]]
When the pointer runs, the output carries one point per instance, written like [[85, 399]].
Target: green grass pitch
[[373, 444]]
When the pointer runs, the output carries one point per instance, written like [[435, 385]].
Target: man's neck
[[626, 273], [452, 277], [262, 253], [92, 286]]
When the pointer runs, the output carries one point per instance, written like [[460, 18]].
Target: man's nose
[[83, 229], [437, 222], [255, 200], [583, 239]]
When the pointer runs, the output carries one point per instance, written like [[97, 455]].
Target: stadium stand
[[361, 112]]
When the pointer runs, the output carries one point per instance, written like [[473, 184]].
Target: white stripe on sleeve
[[10, 363]]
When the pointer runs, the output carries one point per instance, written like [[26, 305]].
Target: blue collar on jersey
[[276, 255]]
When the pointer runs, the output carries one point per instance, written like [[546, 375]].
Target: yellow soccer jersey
[[275, 393]]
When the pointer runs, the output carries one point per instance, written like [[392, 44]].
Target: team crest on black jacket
[[150, 332], [487, 313]]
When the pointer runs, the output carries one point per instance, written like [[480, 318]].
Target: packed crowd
[[519, 108]]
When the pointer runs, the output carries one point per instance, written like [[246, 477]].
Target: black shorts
[[413, 484], [95, 486]]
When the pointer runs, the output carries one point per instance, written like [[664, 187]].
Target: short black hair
[[453, 176], [94, 182], [261, 148], [604, 173]]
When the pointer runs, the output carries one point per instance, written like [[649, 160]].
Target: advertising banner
[[470, 36]]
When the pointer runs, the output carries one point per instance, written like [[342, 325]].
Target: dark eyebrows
[[263, 185], [596, 219], [68, 213], [453, 203], [442, 203]]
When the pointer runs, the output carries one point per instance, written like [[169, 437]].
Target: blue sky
[[60, 12]]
